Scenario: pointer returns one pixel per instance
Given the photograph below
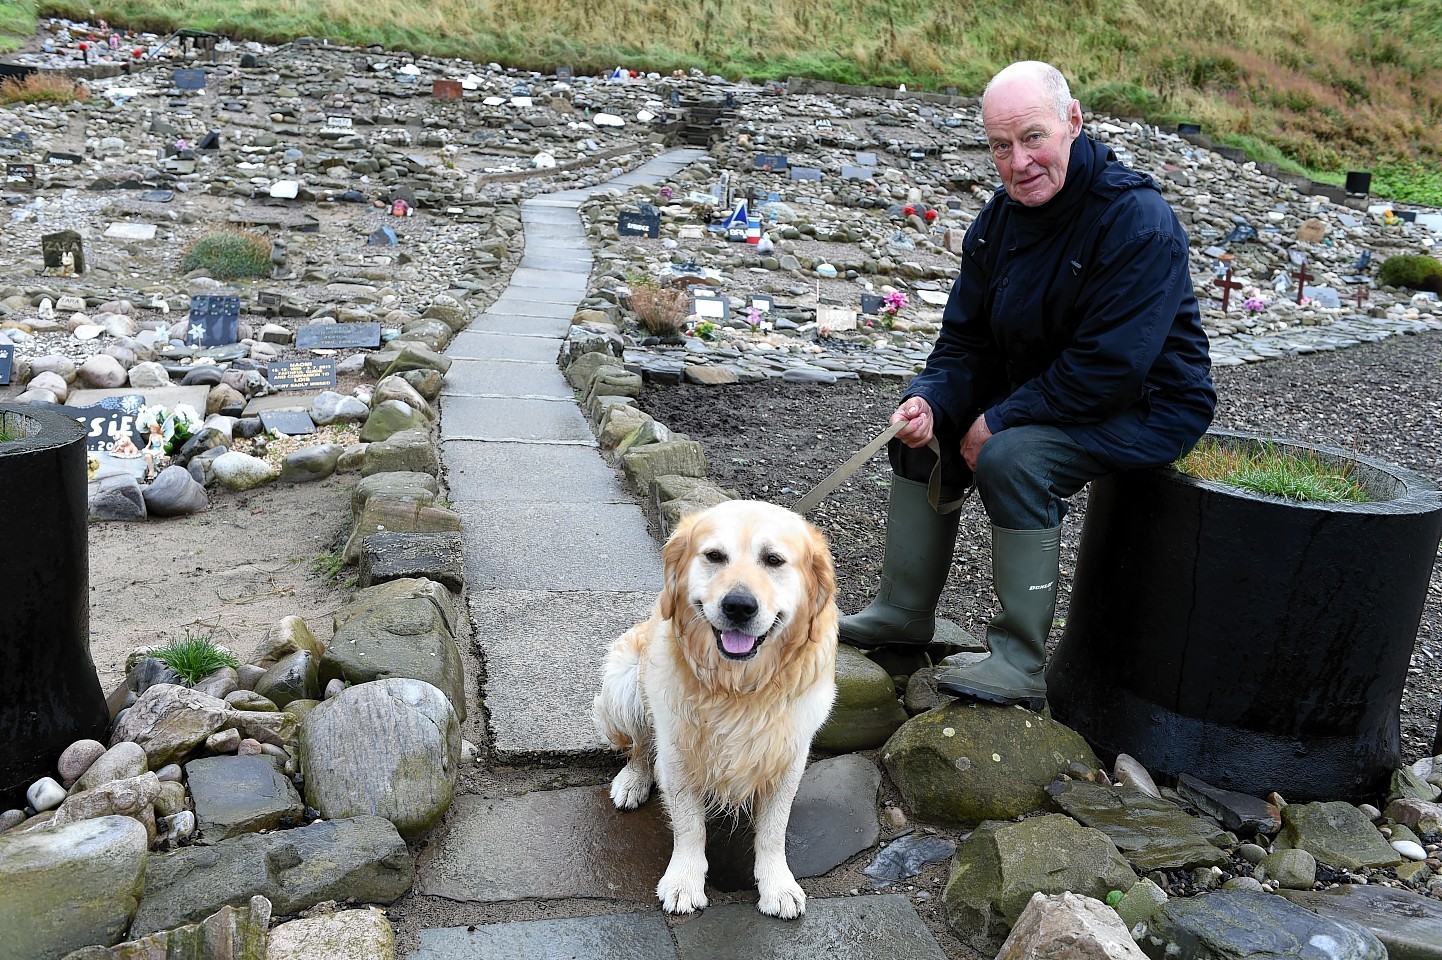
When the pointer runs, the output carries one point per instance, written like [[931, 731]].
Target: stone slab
[[531, 280], [521, 379], [505, 418], [530, 306], [1409, 925], [573, 236], [543, 653], [546, 260], [518, 324], [602, 546], [496, 473], [167, 397], [300, 400], [882, 927], [548, 845], [625, 936], [475, 345]]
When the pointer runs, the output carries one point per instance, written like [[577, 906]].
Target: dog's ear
[[675, 557], [822, 586]]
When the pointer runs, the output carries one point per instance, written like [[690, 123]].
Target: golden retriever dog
[[716, 697]]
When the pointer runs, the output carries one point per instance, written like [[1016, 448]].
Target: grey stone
[[362, 857], [331, 407], [120, 762], [1128, 771], [148, 375], [1238, 924], [396, 388], [241, 471], [582, 370], [883, 927], [389, 417], [1291, 869], [1154, 834], [311, 463], [905, 857], [347, 935], [409, 451], [1337, 834], [393, 556], [231, 933], [1068, 927], [626, 936], [168, 721], [1143, 900], [1238, 812], [420, 488], [236, 795], [449, 311], [410, 356], [1410, 926], [286, 637], [293, 677], [101, 372], [131, 797], [382, 515], [390, 748], [116, 496], [1000, 866], [866, 712], [174, 493], [62, 888], [644, 464], [964, 763]]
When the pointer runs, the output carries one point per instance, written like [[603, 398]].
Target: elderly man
[[1071, 347]]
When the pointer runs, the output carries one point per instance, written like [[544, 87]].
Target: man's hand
[[920, 422], [975, 438]]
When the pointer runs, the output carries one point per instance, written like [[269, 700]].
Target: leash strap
[[842, 473]]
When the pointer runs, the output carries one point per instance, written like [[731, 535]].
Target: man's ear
[[1074, 119]]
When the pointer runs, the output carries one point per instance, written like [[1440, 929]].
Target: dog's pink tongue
[[734, 641]]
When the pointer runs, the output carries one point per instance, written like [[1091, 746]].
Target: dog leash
[[844, 472]]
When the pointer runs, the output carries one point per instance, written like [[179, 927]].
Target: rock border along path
[[558, 557]]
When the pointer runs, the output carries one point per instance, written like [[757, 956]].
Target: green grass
[[329, 564], [6, 437], [1263, 468], [17, 23], [227, 254], [194, 657]]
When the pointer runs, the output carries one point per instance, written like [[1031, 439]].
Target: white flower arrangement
[[183, 421]]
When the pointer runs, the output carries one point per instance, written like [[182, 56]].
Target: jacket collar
[[1086, 161]]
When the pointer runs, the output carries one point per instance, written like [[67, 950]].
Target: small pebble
[[45, 794], [1369, 811], [895, 818], [1410, 850], [170, 772], [1251, 852]]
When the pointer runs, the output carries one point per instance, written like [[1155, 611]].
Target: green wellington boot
[[1024, 565], [919, 543]]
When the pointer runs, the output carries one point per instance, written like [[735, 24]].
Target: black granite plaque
[[292, 423], [871, 303], [631, 224], [20, 176], [317, 374], [7, 356], [214, 321], [188, 79], [54, 247], [336, 336], [106, 421], [564, 73], [771, 161], [64, 159]]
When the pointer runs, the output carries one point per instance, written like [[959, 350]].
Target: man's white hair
[[1049, 77]]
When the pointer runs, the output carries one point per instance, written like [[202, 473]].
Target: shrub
[[195, 657], [42, 88], [227, 253], [1414, 270], [661, 311]]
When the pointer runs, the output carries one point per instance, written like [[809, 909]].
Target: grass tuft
[[194, 657], [1265, 469], [329, 564], [227, 254], [661, 310], [42, 88]]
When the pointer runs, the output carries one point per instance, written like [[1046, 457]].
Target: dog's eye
[[715, 556], [774, 560]]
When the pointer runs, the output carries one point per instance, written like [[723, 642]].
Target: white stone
[[241, 471], [1069, 927], [607, 120], [543, 161], [45, 794], [410, 70], [88, 331], [349, 935], [131, 231], [1407, 848], [285, 189]]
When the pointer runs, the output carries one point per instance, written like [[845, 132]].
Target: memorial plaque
[[1325, 297], [316, 374], [805, 173], [188, 79], [823, 124], [710, 308], [916, 154], [632, 224], [210, 142], [762, 303], [63, 159], [291, 423], [338, 121], [771, 161], [835, 318], [20, 175], [336, 336], [446, 89], [269, 299], [871, 303], [55, 246], [564, 73], [704, 291], [7, 357], [856, 173], [105, 422], [214, 321], [70, 303], [158, 196]]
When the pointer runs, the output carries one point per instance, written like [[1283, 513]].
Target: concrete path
[[558, 558]]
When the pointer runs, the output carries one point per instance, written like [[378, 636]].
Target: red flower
[[82, 47], [930, 216], [908, 211], [634, 74]]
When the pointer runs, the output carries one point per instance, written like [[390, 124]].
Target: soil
[[774, 441]]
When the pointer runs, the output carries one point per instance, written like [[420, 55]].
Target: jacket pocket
[[1124, 428]]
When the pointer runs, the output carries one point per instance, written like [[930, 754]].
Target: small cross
[[1227, 283], [1359, 296], [1302, 276]]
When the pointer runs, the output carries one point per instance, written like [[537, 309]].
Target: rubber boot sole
[[1034, 704]]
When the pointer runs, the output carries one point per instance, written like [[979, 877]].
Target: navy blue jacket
[[1078, 313]]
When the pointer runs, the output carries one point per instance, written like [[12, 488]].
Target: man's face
[[1030, 144]]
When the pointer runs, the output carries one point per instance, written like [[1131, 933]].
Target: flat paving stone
[[522, 379], [558, 546], [505, 418], [547, 845], [530, 277], [882, 927], [509, 323], [543, 653], [476, 344], [527, 305], [574, 237], [489, 472], [625, 936], [543, 261]]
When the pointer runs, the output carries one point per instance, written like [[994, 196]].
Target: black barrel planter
[[50, 695], [1254, 642]]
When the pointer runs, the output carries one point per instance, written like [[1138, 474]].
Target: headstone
[[805, 173], [214, 321], [210, 142], [70, 303], [7, 356], [1326, 297], [446, 89], [855, 173], [337, 120], [157, 196], [106, 421], [871, 303], [54, 247], [835, 318], [269, 300], [292, 423], [335, 336], [564, 73], [318, 374], [710, 308], [823, 124], [635, 224], [188, 79], [762, 303], [63, 159], [771, 161], [20, 176]]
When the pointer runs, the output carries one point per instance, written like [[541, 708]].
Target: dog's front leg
[[781, 895], [683, 887]]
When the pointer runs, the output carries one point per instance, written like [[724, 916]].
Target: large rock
[[311, 463], [168, 721], [1153, 834], [362, 858], [409, 450], [391, 416], [241, 794], [62, 888], [286, 637], [1409, 926], [1337, 834], [396, 388], [449, 311], [124, 798], [120, 762], [404, 628], [384, 515], [396, 556], [116, 496], [866, 712], [102, 372], [174, 493], [420, 488], [348, 935], [1240, 925], [332, 407], [241, 471], [149, 375], [1068, 927], [390, 748], [410, 356], [963, 763], [231, 933], [1000, 866], [581, 371], [296, 676], [1419, 815], [642, 465]]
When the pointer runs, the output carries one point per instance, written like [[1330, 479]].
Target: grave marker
[[710, 307], [1302, 276], [446, 89], [835, 318], [762, 303], [292, 423], [1227, 283], [268, 300], [214, 321], [157, 196], [187, 79], [564, 73], [823, 124], [635, 224], [855, 173], [339, 121], [337, 336], [866, 158], [317, 374], [210, 142], [21, 174], [871, 303], [70, 304], [55, 246], [770, 161], [1325, 297], [106, 421], [63, 159], [7, 356], [805, 173]]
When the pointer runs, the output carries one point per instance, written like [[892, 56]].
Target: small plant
[[228, 253], [195, 657], [1264, 469], [329, 564], [705, 330], [5, 435], [1254, 304], [41, 88], [660, 311], [1416, 271]]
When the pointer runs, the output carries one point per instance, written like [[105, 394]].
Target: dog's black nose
[[739, 607]]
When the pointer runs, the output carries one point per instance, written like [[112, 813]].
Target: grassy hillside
[[1328, 84]]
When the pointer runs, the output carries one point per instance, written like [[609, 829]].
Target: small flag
[[738, 217]]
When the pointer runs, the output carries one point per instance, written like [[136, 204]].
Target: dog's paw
[[785, 900], [630, 788], [682, 892]]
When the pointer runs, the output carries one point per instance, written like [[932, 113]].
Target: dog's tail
[[619, 711]]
